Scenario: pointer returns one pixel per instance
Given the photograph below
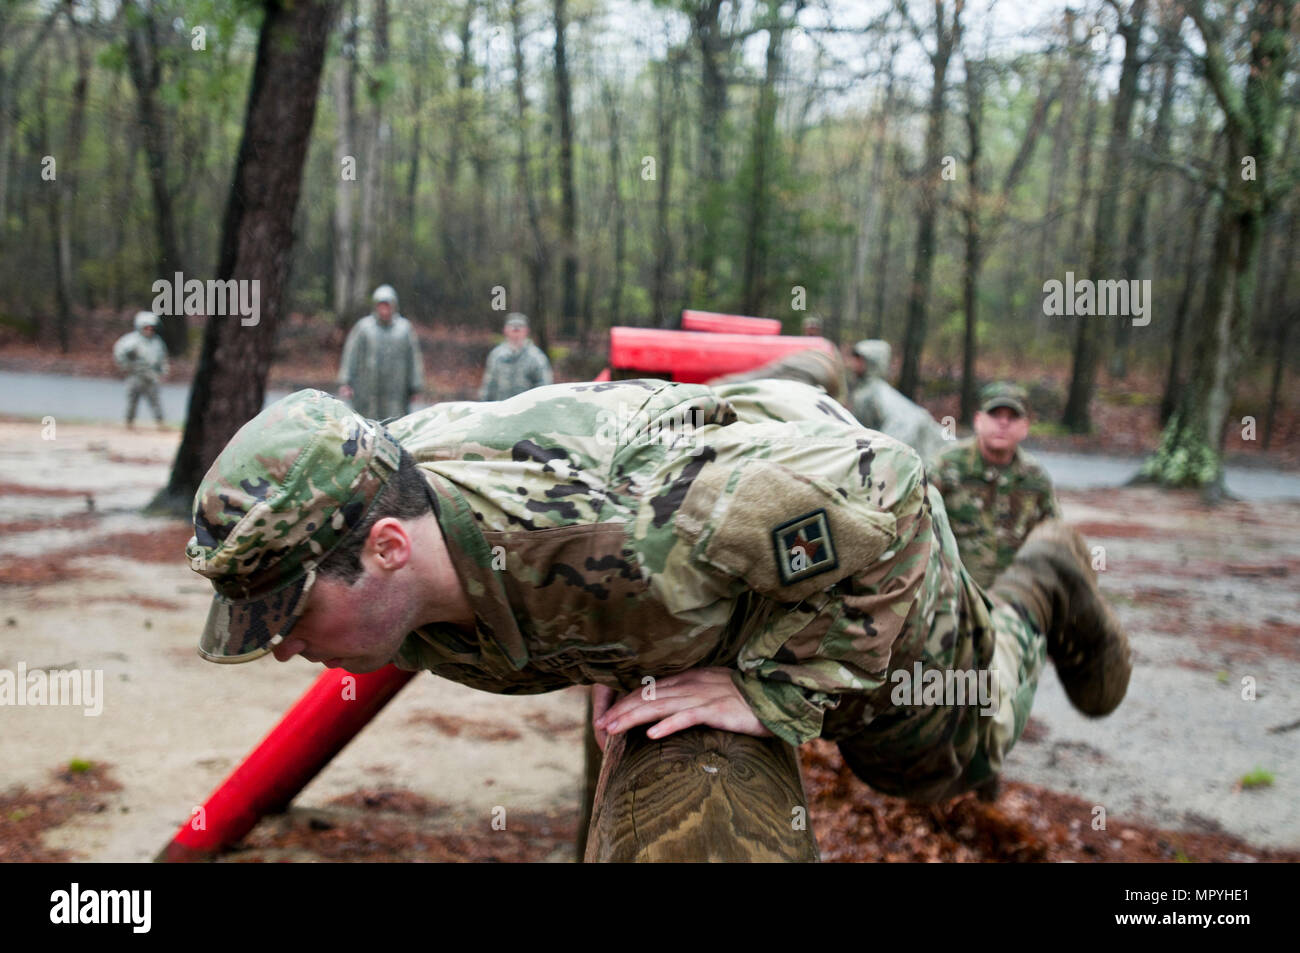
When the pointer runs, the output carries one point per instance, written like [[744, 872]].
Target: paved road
[[103, 400], [87, 399]]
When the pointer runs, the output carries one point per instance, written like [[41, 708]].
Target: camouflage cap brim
[[240, 630], [995, 403]]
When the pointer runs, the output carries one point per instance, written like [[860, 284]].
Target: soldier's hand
[[345, 392], [702, 696]]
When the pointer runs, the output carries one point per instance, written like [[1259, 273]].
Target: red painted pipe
[[691, 358], [310, 734], [717, 323]]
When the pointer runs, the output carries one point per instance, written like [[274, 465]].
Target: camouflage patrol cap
[[1004, 394], [280, 497]]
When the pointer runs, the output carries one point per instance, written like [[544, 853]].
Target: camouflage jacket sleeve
[[830, 527]]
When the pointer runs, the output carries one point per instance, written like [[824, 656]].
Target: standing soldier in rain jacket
[[381, 368], [143, 355]]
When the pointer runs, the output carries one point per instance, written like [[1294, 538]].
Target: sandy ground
[[1210, 599]]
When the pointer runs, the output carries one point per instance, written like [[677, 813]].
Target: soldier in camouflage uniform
[[774, 566], [143, 355], [516, 364], [995, 492]]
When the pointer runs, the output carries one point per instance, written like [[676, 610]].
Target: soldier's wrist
[[791, 713]]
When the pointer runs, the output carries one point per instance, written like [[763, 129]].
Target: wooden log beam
[[699, 795]]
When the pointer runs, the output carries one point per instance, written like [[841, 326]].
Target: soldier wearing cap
[[143, 356], [516, 364], [381, 369], [774, 566], [994, 491]]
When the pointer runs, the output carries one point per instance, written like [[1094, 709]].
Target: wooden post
[[699, 795], [591, 760]]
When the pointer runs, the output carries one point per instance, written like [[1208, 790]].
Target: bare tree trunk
[[145, 68], [1285, 310], [345, 156], [616, 207], [1173, 380], [882, 260], [376, 135], [971, 218], [753, 287], [1087, 347], [10, 78], [453, 259], [256, 237], [1083, 202], [1137, 257], [947, 38], [538, 260], [871, 204], [713, 45], [568, 196], [1062, 141], [666, 113], [69, 181]]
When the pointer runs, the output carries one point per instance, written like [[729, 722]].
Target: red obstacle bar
[[716, 323], [313, 731], [691, 358]]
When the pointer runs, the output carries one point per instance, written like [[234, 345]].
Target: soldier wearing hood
[[143, 356], [381, 368]]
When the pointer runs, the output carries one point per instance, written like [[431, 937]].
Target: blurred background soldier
[[811, 326], [142, 354], [995, 493], [879, 407], [516, 364], [809, 366], [381, 368]]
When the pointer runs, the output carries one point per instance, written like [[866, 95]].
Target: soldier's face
[[383, 310], [516, 336], [1000, 430], [356, 628]]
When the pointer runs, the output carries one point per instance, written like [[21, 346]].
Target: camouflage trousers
[[138, 385], [944, 722]]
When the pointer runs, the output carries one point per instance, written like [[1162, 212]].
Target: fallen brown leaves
[[1025, 824], [26, 815]]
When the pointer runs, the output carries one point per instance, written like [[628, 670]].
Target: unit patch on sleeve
[[804, 547]]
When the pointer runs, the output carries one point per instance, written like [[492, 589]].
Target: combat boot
[[1052, 583]]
